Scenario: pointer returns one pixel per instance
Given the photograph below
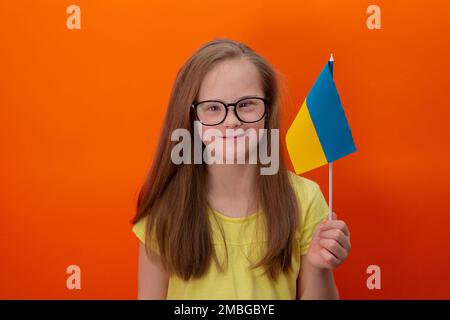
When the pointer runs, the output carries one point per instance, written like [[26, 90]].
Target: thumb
[[333, 216], [318, 229]]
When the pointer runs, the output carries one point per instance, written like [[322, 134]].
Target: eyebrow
[[243, 97]]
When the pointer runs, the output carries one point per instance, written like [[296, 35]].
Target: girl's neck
[[231, 179], [231, 188]]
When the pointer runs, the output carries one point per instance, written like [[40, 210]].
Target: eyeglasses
[[214, 112]]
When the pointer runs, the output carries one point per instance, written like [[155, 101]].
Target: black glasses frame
[[227, 105]]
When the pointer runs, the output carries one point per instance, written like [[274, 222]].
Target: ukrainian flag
[[319, 133]]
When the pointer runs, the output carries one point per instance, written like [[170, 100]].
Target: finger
[[336, 224], [326, 255], [334, 247], [337, 235], [333, 216]]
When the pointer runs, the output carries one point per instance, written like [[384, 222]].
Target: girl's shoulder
[[305, 188], [313, 209]]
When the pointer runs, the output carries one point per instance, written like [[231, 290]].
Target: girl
[[227, 231]]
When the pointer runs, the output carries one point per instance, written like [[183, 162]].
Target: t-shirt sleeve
[[140, 229], [316, 211]]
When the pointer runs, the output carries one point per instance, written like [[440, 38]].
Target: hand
[[330, 244]]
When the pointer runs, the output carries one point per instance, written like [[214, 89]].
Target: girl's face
[[229, 81]]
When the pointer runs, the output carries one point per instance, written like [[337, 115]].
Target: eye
[[213, 107], [246, 105], [210, 107]]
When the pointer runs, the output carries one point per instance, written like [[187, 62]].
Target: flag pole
[[330, 176], [330, 191]]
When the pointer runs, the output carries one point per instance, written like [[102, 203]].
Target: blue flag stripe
[[328, 117]]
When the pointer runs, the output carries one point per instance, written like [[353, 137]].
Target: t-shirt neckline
[[235, 219]]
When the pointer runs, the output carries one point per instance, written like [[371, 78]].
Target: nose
[[231, 121]]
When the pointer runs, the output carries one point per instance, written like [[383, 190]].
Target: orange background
[[81, 110]]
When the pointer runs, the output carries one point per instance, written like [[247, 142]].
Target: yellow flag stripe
[[303, 144]]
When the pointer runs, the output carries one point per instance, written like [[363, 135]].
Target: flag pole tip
[[331, 57]]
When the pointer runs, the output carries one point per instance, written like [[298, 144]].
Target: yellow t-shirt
[[245, 243]]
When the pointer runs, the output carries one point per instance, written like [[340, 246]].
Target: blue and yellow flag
[[319, 133]]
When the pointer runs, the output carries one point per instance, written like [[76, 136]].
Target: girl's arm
[[152, 277], [314, 283], [329, 247]]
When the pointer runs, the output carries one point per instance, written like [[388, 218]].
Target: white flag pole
[[330, 191], [330, 179]]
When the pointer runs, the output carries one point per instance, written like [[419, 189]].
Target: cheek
[[208, 133], [203, 131], [200, 131], [256, 127]]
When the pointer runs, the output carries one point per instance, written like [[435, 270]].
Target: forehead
[[229, 80]]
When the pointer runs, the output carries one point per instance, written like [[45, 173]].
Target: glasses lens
[[210, 112], [250, 110]]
